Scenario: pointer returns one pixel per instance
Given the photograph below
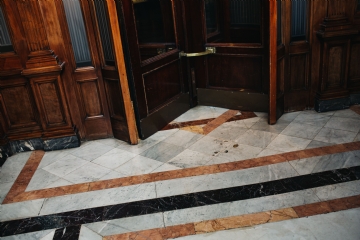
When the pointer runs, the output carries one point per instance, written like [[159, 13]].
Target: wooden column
[[272, 60], [335, 35], [121, 67]]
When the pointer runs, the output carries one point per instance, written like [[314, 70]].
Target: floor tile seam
[[140, 177], [236, 222]]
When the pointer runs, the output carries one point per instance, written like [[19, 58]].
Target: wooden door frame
[[272, 61]]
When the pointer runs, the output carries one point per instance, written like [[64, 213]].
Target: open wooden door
[[155, 37], [236, 76]]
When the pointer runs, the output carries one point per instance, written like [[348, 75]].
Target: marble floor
[[212, 173]]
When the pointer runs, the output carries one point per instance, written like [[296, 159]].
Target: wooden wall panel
[[161, 85], [50, 99], [354, 72], [116, 106], [336, 62], [19, 105], [89, 92], [236, 71], [298, 72]]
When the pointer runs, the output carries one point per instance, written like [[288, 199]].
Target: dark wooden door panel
[[236, 72], [162, 84]]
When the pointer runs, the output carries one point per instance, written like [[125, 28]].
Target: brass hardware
[[138, 1], [209, 50]]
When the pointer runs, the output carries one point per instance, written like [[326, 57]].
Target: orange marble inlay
[[242, 221], [355, 108], [219, 121], [17, 192]]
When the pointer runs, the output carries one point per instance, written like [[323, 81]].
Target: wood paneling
[[236, 72], [354, 72], [161, 85], [298, 71], [89, 92], [336, 63]]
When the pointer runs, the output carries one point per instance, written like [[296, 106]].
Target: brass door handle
[[209, 50]]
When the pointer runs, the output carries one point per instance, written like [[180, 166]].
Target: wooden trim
[[272, 60], [120, 64]]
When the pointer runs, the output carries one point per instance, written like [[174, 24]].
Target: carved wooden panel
[[236, 71], [161, 85], [298, 71], [19, 106], [50, 102], [354, 72], [336, 66], [89, 92]]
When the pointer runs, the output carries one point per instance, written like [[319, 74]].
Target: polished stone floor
[[212, 173]]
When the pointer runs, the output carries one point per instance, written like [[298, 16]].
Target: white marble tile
[[289, 116], [40, 235], [335, 136], [88, 234], [197, 214], [346, 124], [189, 158], [227, 132], [218, 160], [246, 123], [273, 202], [41, 179], [200, 112], [65, 166], [165, 167], [256, 138], [131, 224], [347, 113], [87, 173], [112, 142], [326, 163], [162, 151], [4, 189], [183, 138], [138, 166], [98, 198], [313, 112], [261, 114], [235, 152], [317, 144], [140, 147], [263, 125], [301, 130], [208, 145], [113, 175], [224, 180], [312, 119], [287, 143], [114, 158], [357, 138], [59, 183], [268, 152], [339, 190], [92, 151], [53, 156], [163, 134], [49, 236], [13, 166], [244, 177], [20, 210]]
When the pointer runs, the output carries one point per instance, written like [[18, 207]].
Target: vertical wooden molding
[[272, 60], [31, 18], [120, 64]]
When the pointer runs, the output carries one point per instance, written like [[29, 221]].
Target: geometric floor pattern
[[212, 173]]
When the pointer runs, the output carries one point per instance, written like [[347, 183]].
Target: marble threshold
[[18, 191]]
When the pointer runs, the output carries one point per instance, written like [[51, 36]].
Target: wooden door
[[237, 75], [154, 35]]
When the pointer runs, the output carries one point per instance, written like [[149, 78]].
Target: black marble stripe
[[164, 204], [67, 233]]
